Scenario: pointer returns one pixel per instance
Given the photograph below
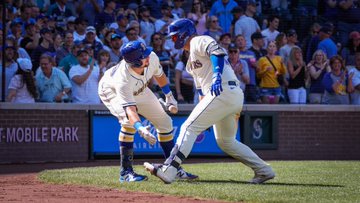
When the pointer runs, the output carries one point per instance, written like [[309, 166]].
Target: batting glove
[[145, 133], [170, 100], [216, 87]]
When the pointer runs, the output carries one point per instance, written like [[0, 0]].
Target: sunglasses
[[214, 21], [233, 51], [158, 38], [198, 3]]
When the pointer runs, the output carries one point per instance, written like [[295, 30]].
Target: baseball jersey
[[127, 83], [200, 67]]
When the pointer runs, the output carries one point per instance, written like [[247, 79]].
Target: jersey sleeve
[[125, 94], [155, 62]]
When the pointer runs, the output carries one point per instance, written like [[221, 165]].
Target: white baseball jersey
[[199, 64], [121, 87], [222, 111]]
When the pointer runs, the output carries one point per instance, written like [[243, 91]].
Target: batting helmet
[[180, 30], [134, 51]]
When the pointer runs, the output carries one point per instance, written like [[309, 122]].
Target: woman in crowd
[[103, 60], [318, 66], [298, 73], [22, 87], [352, 47], [271, 72], [157, 42], [337, 83], [198, 15], [213, 28], [184, 82], [280, 40]]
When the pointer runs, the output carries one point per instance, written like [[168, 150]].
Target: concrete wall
[[60, 132]]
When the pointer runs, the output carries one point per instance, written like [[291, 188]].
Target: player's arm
[[216, 54], [170, 101]]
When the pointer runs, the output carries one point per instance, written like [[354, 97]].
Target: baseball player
[[124, 91], [221, 101]]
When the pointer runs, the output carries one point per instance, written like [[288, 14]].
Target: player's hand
[[145, 133], [216, 87], [171, 102]]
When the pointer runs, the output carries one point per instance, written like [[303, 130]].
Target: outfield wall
[[63, 132]]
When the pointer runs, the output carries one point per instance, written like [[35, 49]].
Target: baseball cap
[[133, 6], [77, 42], [24, 64], [44, 30], [232, 46], [291, 32], [90, 29], [83, 50], [115, 36], [257, 35], [71, 19], [251, 2], [354, 35], [16, 22], [326, 30], [143, 9]]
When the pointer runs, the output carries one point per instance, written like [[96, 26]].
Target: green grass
[[296, 181]]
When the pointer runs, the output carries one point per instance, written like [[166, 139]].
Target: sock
[[167, 147]]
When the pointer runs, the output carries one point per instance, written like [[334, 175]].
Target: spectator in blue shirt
[[222, 9], [327, 45]]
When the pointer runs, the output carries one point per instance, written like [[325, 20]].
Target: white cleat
[[263, 175], [166, 173]]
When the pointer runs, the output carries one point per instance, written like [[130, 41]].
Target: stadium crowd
[[282, 51]]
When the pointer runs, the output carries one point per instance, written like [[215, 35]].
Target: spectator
[[90, 38], [132, 34], [184, 82], [132, 12], [337, 83], [239, 66], [103, 61], [157, 42], [246, 26], [198, 15], [85, 79], [355, 96], [155, 7], [177, 10], [80, 29], [46, 45], [65, 49], [31, 38], [147, 26], [353, 46], [22, 87], [318, 67], [161, 24], [52, 83], [305, 16], [327, 45], [331, 11], [225, 41], [270, 68], [88, 9], [305, 44], [213, 28], [70, 60], [60, 12], [16, 30], [70, 24], [120, 25], [298, 75], [251, 92], [21, 53], [107, 16], [58, 41], [291, 42], [116, 43], [271, 32], [25, 16], [10, 66], [107, 39], [222, 10], [348, 18], [280, 40], [257, 40], [237, 13]]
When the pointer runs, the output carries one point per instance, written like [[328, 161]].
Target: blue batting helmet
[[180, 31], [134, 51]]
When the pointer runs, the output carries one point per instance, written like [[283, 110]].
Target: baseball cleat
[[183, 175], [263, 175], [131, 176], [166, 173]]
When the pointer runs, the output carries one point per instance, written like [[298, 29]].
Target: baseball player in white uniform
[[124, 91], [221, 101]]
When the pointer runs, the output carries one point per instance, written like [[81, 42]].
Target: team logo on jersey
[[141, 89], [196, 64]]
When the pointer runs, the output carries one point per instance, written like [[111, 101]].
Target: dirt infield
[[19, 183]]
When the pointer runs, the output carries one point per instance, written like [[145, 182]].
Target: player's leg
[[149, 107], [225, 135]]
